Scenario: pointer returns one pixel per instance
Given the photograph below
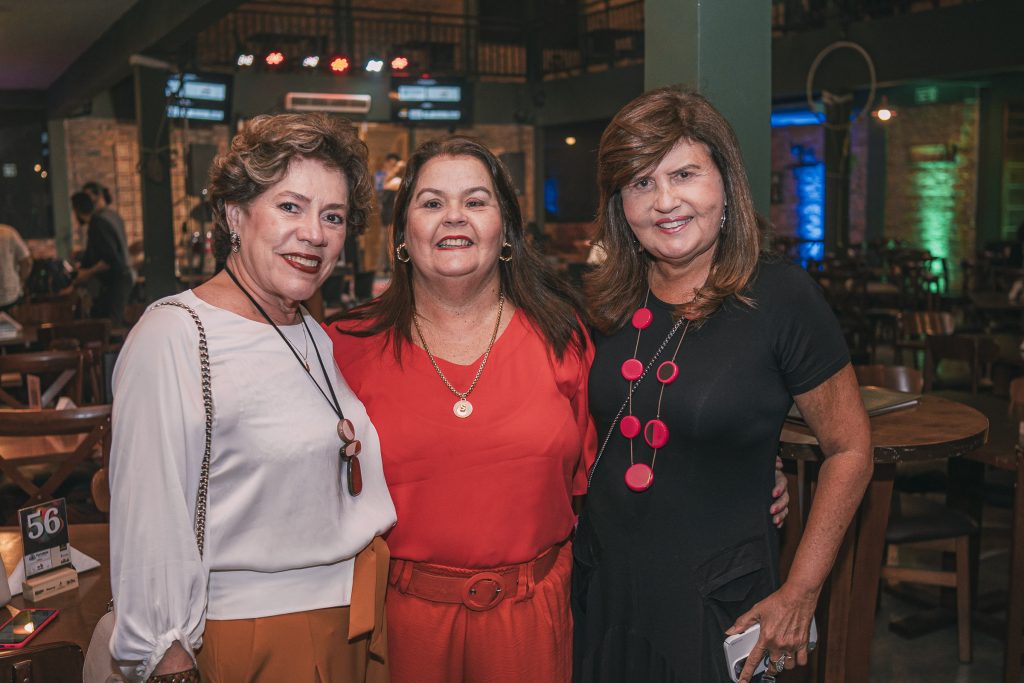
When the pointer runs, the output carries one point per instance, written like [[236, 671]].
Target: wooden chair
[[977, 351], [64, 369], [93, 338], [59, 311], [918, 521], [62, 438], [49, 663], [915, 326]]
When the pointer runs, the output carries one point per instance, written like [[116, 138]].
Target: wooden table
[[936, 429], [81, 608], [29, 335]]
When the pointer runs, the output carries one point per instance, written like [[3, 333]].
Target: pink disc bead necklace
[[640, 476]]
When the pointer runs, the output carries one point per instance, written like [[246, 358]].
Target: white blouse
[[281, 527]]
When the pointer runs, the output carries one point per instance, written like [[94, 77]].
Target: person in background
[[15, 265], [103, 201], [674, 551], [394, 171], [105, 259], [289, 587]]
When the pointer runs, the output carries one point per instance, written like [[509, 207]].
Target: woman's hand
[[780, 506], [174, 661], [785, 618]]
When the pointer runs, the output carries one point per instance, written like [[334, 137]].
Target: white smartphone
[[738, 647]]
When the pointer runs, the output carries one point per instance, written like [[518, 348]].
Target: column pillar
[[155, 176], [723, 50]]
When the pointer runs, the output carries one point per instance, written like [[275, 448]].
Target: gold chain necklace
[[462, 408]]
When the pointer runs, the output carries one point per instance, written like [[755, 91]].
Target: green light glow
[[935, 220]]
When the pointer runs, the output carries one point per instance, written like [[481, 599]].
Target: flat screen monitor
[[198, 97], [442, 101]]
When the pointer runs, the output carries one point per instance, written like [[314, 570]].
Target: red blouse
[[494, 488]]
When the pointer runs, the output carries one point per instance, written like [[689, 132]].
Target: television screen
[[429, 100], [199, 97]]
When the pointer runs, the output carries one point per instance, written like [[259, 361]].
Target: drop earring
[[399, 253], [236, 241]]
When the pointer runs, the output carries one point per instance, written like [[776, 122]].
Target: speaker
[[200, 158], [515, 162]]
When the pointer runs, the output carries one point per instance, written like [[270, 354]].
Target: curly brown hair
[[637, 139], [260, 154]]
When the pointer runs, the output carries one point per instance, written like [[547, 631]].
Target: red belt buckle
[[476, 589]]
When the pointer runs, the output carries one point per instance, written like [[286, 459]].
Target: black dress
[[660, 575]]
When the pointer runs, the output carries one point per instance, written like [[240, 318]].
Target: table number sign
[[44, 534]]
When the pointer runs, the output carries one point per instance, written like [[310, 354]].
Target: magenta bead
[[656, 433], [632, 369], [667, 372], [630, 426], [642, 318], [639, 477]]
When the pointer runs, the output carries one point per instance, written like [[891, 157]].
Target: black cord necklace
[[350, 448]]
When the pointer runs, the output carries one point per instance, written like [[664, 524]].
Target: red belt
[[479, 590]]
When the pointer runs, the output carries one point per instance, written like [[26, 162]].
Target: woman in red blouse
[[473, 366]]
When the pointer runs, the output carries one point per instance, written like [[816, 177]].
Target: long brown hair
[[637, 139], [527, 279]]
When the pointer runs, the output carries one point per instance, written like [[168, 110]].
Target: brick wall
[[932, 172], [811, 139], [107, 151]]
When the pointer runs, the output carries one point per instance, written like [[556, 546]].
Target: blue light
[[551, 196], [810, 196], [795, 117]]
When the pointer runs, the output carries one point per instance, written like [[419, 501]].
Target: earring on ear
[[399, 253], [504, 255], [725, 212], [236, 241]]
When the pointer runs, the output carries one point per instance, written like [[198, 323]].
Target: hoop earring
[[236, 241], [398, 253], [501, 254]]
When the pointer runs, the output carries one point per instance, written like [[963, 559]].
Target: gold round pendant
[[462, 408]]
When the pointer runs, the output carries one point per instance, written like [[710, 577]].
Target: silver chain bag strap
[[100, 667]]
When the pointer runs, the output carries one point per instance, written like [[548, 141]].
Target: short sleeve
[[573, 378], [808, 343], [157, 576]]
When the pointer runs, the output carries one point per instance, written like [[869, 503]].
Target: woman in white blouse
[[289, 585]]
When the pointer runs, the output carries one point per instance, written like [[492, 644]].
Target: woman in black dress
[[702, 346]]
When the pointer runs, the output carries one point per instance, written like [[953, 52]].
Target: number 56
[[40, 522]]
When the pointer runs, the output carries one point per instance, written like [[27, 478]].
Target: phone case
[[738, 647], [29, 637]]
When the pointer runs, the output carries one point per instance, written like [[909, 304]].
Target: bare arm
[[174, 660], [835, 413]]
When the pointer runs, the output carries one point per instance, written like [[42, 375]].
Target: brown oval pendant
[[353, 449], [346, 431], [355, 477]]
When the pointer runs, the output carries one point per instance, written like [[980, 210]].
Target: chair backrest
[[64, 368], [49, 663], [917, 324], [85, 332], [895, 377], [45, 312]]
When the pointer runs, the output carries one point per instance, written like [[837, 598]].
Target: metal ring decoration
[[503, 255], [780, 663], [839, 44], [398, 253]]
